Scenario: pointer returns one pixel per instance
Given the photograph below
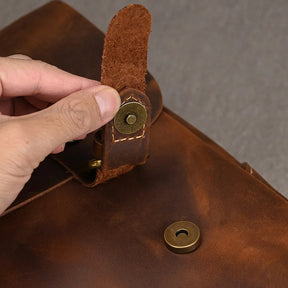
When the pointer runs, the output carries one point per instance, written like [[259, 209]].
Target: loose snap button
[[182, 237]]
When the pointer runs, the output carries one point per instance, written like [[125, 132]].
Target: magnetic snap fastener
[[182, 237], [130, 118]]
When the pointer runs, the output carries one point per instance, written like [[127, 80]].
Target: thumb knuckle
[[76, 114]]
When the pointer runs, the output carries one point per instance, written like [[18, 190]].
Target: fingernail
[[62, 147], [59, 149], [108, 101]]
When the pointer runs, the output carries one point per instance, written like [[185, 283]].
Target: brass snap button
[[182, 237], [94, 163], [130, 118]]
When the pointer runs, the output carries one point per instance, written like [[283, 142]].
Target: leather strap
[[124, 60], [124, 66]]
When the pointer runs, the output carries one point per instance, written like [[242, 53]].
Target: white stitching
[[135, 99], [127, 138]]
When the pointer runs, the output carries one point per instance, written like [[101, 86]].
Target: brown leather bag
[[69, 229]]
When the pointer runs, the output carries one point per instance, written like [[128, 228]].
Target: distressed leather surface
[[112, 235], [124, 60]]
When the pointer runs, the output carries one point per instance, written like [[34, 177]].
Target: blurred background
[[222, 65]]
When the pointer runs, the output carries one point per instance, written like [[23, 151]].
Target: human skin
[[42, 108]]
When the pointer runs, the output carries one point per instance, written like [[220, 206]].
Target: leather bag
[[94, 217]]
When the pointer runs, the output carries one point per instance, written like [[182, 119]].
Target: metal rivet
[[182, 237], [130, 118], [94, 164]]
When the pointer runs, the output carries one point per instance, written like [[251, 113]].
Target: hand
[[31, 128]]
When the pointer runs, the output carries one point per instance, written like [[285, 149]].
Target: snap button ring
[[182, 237]]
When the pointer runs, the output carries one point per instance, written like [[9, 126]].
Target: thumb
[[73, 116], [27, 140]]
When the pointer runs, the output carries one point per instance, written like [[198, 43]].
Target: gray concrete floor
[[222, 65]]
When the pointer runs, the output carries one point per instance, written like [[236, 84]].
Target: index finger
[[25, 77]]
